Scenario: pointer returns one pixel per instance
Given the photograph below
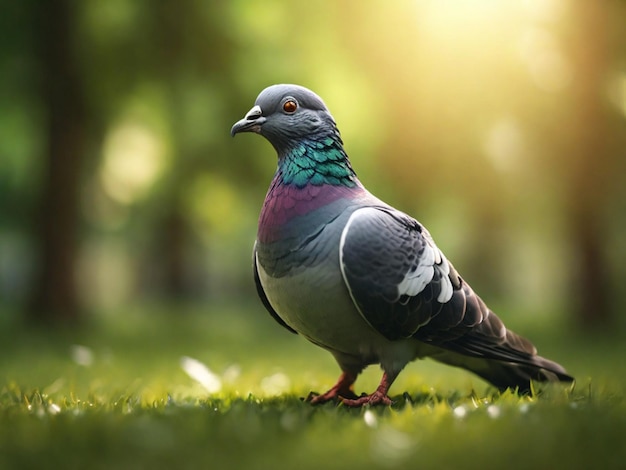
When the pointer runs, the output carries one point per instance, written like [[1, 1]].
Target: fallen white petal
[[201, 374]]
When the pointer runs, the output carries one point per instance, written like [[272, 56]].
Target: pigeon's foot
[[376, 398], [341, 391], [379, 397]]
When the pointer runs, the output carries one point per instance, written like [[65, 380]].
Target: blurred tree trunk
[[172, 20], [55, 296], [590, 167], [183, 61], [175, 240]]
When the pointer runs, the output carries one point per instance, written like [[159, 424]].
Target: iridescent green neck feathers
[[316, 162]]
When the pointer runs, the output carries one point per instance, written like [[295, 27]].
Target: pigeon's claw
[[379, 397], [341, 391], [376, 398]]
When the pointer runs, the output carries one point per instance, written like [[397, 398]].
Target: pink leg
[[340, 391], [378, 397]]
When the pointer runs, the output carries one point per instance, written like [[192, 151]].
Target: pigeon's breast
[[298, 265], [301, 227]]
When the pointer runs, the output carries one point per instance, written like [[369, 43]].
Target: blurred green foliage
[[499, 125]]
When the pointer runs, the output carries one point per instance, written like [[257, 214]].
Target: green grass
[[114, 395]]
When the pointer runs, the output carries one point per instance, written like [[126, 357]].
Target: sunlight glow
[[548, 67], [82, 355], [208, 187], [617, 92], [392, 447], [544, 10], [504, 144], [133, 160], [460, 412], [275, 384], [461, 29], [494, 411]]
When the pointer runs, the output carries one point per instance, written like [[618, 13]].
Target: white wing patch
[[442, 264], [446, 284], [415, 280]]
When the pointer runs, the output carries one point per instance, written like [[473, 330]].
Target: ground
[[221, 386]]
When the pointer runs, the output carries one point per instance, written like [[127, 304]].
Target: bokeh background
[[499, 125]]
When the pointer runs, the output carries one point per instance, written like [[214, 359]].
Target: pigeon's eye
[[290, 106]]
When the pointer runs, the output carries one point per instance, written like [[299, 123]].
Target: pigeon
[[361, 279]]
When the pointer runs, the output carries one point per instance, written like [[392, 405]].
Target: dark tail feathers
[[508, 374], [519, 375]]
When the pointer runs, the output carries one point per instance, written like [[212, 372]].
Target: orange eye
[[290, 106]]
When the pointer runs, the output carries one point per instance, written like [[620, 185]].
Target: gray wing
[[397, 277], [261, 292], [403, 285]]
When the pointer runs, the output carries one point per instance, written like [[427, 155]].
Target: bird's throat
[[316, 162]]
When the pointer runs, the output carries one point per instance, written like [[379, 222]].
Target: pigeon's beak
[[251, 122]]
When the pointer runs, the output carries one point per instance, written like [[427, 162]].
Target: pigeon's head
[[286, 114]]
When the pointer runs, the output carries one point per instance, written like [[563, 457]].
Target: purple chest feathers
[[285, 203]]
